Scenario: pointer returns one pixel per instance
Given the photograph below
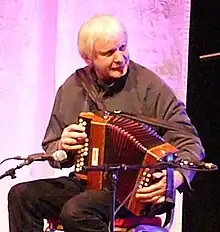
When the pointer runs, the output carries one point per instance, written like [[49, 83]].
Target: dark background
[[202, 207]]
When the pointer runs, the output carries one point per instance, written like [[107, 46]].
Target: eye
[[108, 53], [123, 47]]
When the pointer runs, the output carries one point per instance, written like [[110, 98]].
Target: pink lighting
[[38, 52]]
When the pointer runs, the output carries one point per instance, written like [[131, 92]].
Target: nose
[[119, 58]]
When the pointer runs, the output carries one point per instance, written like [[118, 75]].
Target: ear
[[87, 60]]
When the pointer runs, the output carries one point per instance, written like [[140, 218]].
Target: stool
[[131, 224], [53, 225]]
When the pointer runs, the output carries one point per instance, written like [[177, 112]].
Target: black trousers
[[79, 210]]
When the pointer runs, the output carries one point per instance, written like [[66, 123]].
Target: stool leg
[[51, 227]]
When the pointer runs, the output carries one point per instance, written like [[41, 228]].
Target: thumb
[[158, 175]]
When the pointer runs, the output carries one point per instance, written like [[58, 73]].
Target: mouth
[[122, 67], [119, 69]]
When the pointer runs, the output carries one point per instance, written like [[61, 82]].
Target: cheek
[[126, 54], [103, 65], [107, 62]]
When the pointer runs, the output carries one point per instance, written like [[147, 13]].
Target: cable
[[123, 203], [204, 167]]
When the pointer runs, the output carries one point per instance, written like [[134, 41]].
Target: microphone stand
[[170, 164], [12, 172], [113, 173]]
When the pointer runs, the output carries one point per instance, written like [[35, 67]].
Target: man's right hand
[[72, 138]]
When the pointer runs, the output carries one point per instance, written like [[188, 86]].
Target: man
[[121, 85]]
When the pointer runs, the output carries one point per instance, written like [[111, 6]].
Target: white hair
[[100, 25]]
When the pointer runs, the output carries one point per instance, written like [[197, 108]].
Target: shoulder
[[70, 99], [72, 83], [149, 80]]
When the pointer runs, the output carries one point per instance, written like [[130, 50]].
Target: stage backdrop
[[38, 52]]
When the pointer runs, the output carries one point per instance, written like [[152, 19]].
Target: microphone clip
[[12, 172]]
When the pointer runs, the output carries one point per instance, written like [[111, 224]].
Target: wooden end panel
[[152, 156], [162, 150], [96, 154]]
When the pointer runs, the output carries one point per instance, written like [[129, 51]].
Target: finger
[[160, 200], [158, 175], [67, 147], [75, 127], [153, 187], [68, 141], [154, 200], [148, 196], [151, 200], [74, 135]]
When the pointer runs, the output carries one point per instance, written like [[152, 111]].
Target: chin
[[117, 74]]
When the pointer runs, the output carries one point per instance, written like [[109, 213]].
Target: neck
[[101, 77], [106, 80]]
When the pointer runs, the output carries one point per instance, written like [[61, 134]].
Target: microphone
[[209, 166], [59, 156], [197, 166]]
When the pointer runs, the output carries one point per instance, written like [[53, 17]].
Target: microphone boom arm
[[12, 172], [180, 164]]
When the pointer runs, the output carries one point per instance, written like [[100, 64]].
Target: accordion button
[[140, 186]]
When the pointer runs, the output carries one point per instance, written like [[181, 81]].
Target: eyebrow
[[113, 49], [108, 51]]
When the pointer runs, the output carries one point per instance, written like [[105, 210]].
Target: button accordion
[[114, 140]]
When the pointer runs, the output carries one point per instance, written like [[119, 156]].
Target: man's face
[[110, 56]]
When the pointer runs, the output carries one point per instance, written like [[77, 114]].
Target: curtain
[[39, 51]]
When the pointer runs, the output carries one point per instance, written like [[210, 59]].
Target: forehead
[[109, 41]]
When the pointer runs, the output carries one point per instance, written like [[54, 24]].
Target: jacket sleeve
[[168, 107], [53, 133]]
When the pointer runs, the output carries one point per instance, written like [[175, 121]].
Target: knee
[[84, 210], [70, 211], [17, 192]]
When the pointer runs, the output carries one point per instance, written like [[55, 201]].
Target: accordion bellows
[[116, 140]]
